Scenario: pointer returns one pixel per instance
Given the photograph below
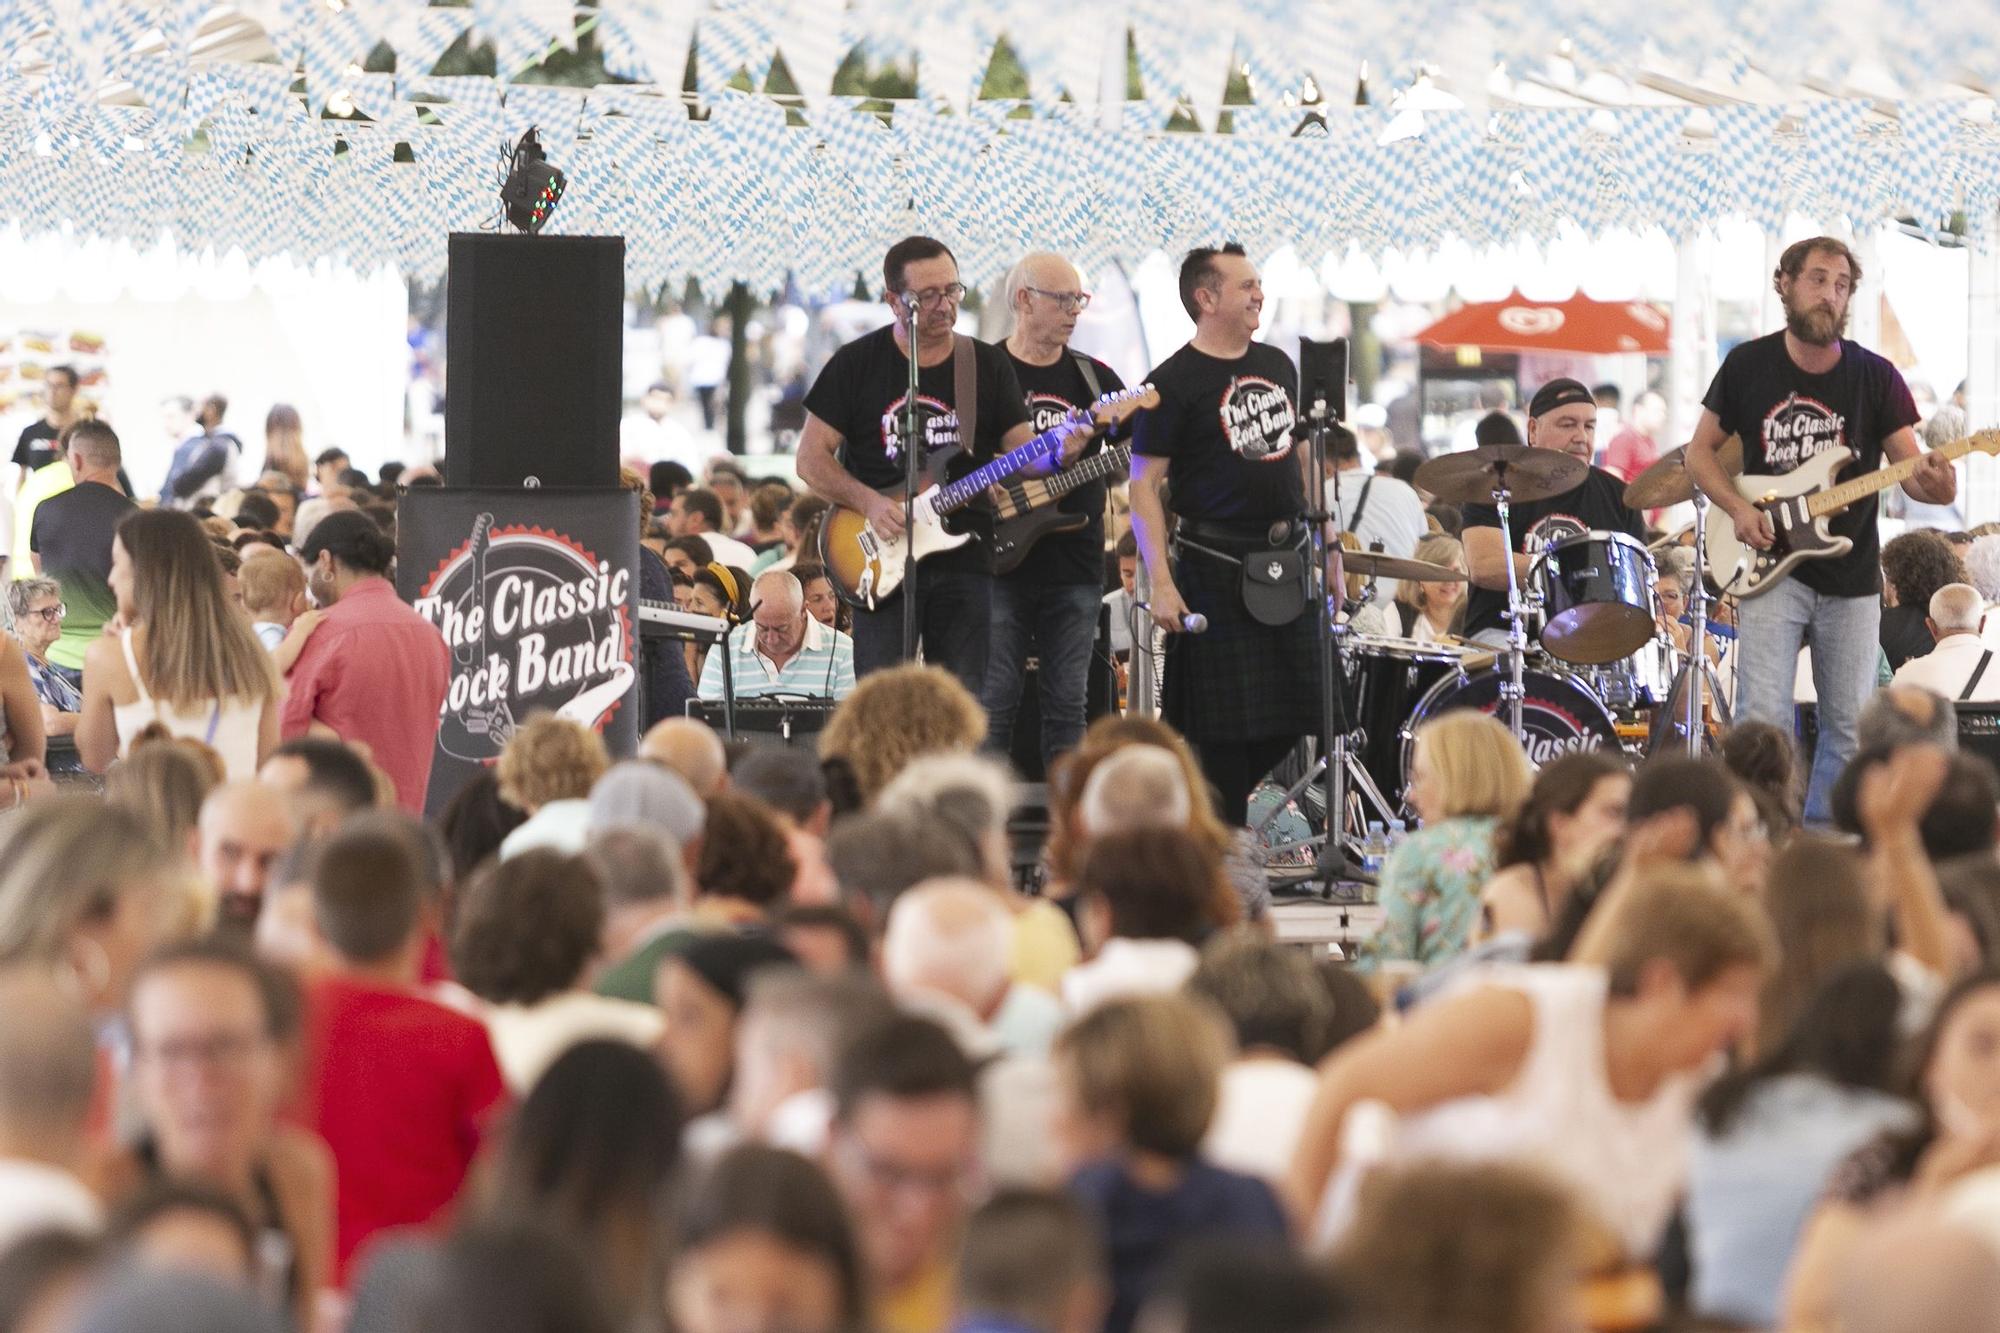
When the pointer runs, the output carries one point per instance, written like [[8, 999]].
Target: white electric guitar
[[1799, 503], [866, 567]]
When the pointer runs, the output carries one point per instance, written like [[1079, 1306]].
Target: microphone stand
[[913, 450]]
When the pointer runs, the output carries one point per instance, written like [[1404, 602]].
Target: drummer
[[1563, 416]]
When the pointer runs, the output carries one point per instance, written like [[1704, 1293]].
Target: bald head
[[1040, 316], [1137, 786], [48, 1067], [244, 827], [1955, 609], [691, 749], [950, 937], [1920, 1273], [778, 587]]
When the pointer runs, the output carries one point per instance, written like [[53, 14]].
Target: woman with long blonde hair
[[285, 446], [185, 659]]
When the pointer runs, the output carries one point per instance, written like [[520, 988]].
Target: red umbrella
[[1576, 325]]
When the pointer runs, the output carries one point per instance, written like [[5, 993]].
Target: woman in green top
[[1468, 775]]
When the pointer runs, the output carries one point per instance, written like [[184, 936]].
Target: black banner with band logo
[[537, 594]]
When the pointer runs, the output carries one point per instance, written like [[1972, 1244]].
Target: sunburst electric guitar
[[867, 568], [1799, 503]]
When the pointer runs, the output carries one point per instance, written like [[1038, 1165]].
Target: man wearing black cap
[[1562, 415]]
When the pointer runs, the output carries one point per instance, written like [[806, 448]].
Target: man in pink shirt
[[375, 672]]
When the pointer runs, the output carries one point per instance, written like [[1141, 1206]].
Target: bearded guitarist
[[1790, 396], [1046, 606], [851, 451]]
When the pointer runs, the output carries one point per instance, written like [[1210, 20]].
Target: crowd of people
[[786, 1038]]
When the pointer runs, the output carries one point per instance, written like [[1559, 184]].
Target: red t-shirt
[[400, 1088], [376, 672]]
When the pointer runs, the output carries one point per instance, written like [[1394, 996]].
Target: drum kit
[[1586, 664]]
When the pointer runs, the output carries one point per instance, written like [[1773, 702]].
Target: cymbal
[[1531, 474], [1667, 481], [1375, 564]]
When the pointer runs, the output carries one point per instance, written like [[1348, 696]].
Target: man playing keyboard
[[782, 650]]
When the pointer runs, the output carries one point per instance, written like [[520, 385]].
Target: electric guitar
[[1027, 512], [866, 568], [1799, 503]]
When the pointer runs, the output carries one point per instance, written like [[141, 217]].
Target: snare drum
[[1599, 592], [1558, 712], [1385, 679]]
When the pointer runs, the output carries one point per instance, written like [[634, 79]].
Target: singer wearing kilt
[[1218, 452]]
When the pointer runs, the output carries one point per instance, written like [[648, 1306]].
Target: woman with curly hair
[[895, 715], [1914, 565], [546, 771]]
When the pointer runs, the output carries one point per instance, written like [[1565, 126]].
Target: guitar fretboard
[[1090, 469], [1836, 498], [957, 494]]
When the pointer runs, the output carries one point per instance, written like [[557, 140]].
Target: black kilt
[[1241, 680]]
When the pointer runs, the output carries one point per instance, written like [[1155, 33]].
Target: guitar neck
[[957, 494], [1836, 498], [1090, 469]]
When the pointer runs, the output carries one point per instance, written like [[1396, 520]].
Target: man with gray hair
[[1046, 606], [782, 650], [1961, 666], [1907, 715]]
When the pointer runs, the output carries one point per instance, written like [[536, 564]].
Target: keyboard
[[665, 620]]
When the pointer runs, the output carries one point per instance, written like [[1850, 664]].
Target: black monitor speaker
[[534, 360]]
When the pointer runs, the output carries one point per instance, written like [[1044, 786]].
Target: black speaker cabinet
[[534, 360]]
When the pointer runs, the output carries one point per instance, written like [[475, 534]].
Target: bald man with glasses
[[1046, 607], [782, 650]]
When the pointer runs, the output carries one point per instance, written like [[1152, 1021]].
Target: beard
[[1815, 325]]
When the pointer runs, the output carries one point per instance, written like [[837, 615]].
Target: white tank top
[[1628, 1161], [230, 726]]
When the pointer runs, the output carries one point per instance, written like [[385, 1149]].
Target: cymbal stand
[[1517, 619], [1691, 721]]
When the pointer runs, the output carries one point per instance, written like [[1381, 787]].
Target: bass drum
[[1559, 715], [1385, 680]]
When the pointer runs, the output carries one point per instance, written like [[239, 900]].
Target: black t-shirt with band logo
[[1597, 504], [1225, 429], [1785, 417], [1054, 391], [860, 395]]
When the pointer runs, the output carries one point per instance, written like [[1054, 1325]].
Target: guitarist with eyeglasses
[[1046, 604], [1802, 553], [850, 452]]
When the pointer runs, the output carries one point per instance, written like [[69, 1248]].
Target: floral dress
[[1429, 891]]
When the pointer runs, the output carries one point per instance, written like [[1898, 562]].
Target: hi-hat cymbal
[[1371, 564], [1667, 481], [1530, 474]]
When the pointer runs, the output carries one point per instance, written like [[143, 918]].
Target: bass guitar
[[866, 567], [1026, 507], [1799, 503]]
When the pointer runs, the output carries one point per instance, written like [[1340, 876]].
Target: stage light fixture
[[533, 185]]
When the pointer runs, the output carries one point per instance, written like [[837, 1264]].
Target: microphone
[[1194, 622]]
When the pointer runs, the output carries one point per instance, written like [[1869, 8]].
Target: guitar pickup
[[871, 546]]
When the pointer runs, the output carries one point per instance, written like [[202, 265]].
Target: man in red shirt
[[1636, 447], [398, 1086], [375, 672]]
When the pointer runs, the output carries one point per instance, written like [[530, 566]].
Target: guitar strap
[[965, 390], [1985, 658], [1088, 369], [1360, 506]]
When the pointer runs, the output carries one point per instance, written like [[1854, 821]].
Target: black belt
[[1253, 532]]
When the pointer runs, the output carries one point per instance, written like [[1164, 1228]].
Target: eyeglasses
[[1077, 301], [936, 296], [774, 631], [228, 1049], [52, 614], [894, 1177]]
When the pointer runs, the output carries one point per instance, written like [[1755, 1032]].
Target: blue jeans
[[1058, 624], [1843, 633], [954, 613]]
